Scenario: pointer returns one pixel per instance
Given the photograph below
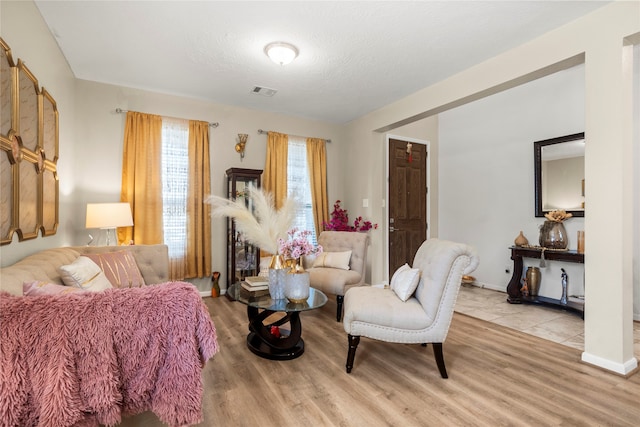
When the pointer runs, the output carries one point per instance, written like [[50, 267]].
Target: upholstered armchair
[[425, 316], [333, 271]]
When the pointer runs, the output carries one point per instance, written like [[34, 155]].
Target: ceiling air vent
[[264, 91]]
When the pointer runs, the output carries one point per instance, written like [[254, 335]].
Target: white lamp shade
[[108, 215], [281, 53]]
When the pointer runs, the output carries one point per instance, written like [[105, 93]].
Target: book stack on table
[[255, 283]]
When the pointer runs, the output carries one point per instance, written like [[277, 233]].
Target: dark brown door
[[407, 201]]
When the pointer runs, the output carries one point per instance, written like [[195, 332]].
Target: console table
[[513, 288]]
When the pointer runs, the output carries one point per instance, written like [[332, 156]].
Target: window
[[175, 182], [165, 178], [299, 184]]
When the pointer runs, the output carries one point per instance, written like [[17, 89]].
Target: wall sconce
[[242, 141]]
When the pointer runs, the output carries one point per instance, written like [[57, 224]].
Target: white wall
[[23, 29], [91, 134], [595, 40], [636, 180], [100, 133], [486, 173]]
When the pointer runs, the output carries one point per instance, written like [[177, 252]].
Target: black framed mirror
[[559, 174]]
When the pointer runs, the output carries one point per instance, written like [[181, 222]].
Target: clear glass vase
[[277, 276], [553, 235]]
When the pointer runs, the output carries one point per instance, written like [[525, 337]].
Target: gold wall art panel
[[49, 201], [7, 91], [7, 204], [29, 186], [49, 127], [27, 107], [28, 200]]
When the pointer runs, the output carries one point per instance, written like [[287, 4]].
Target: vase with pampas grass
[[260, 223]]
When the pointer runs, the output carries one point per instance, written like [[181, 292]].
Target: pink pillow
[[44, 288], [120, 268]]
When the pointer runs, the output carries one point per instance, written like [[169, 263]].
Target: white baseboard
[[490, 286], [208, 293], [618, 368]]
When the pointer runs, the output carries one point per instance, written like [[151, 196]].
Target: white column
[[608, 204]]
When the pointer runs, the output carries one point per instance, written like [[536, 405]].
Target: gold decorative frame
[[10, 146], [8, 92], [49, 156], [29, 186]]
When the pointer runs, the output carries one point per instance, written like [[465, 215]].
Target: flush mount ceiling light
[[281, 53]]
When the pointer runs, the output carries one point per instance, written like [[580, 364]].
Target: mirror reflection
[[559, 174]]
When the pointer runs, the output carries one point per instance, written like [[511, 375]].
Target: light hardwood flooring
[[498, 376], [549, 323]]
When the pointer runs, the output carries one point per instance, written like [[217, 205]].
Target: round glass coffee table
[[268, 340]]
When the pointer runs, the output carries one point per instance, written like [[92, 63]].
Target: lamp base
[[106, 237]]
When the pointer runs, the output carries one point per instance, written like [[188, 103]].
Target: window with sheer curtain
[[175, 182], [299, 184], [165, 179]]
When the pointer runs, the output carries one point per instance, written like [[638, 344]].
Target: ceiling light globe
[[281, 53]]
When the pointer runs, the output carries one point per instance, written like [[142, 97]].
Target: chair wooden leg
[[353, 344], [437, 351], [339, 300]]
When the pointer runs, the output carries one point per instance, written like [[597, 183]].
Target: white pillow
[[405, 281], [85, 274], [394, 278], [333, 260]]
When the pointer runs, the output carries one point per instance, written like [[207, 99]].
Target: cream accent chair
[[425, 317], [335, 280]]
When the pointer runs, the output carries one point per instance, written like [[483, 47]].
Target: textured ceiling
[[355, 57]]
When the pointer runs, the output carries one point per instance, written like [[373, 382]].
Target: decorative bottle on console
[[215, 285], [533, 281], [565, 279]]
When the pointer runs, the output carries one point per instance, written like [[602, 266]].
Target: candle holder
[[297, 286]]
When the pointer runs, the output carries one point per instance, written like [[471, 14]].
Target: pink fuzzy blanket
[[82, 359]]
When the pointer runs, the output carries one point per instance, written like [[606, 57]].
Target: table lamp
[[108, 217]]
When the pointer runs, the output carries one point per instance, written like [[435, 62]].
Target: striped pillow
[[120, 268]]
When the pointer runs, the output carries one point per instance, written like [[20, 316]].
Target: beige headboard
[[152, 260]]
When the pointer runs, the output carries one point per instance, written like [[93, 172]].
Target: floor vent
[[264, 91]]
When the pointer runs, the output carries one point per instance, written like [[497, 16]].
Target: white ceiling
[[355, 56]]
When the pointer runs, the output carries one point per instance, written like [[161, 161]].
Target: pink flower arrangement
[[297, 244], [340, 221]]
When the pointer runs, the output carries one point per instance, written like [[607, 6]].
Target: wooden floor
[[497, 377]]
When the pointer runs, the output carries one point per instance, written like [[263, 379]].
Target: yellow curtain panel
[[317, 165], [275, 169], [198, 260], [141, 178]]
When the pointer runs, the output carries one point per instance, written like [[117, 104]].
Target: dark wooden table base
[[262, 342], [513, 288]]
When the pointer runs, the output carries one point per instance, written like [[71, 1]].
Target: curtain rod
[[260, 131], [213, 125]]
